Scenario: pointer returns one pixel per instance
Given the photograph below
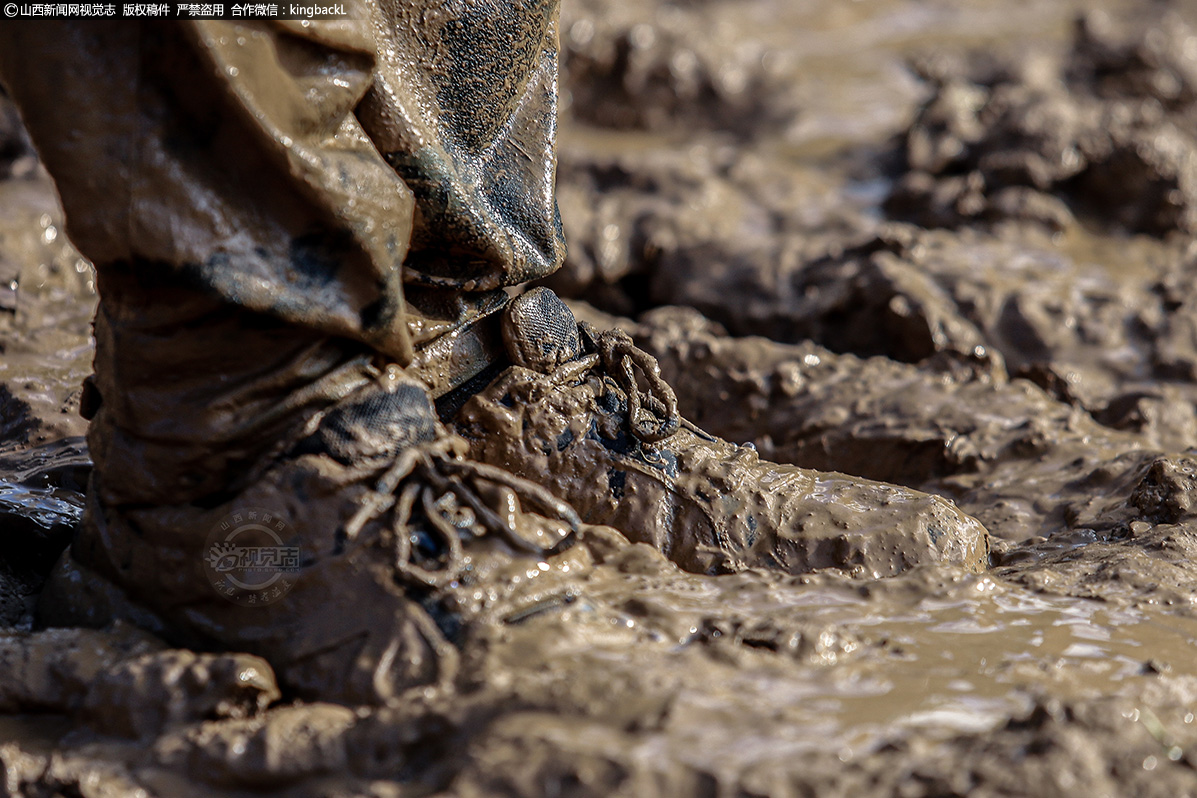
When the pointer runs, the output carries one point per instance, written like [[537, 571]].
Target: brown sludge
[[978, 284]]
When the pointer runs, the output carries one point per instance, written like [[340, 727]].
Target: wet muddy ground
[[948, 245]]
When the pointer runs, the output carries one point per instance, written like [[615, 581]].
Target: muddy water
[[943, 652], [1025, 358]]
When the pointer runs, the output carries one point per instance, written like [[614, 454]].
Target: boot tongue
[[540, 331]]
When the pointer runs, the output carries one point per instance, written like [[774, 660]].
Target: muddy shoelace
[[652, 413], [433, 480]]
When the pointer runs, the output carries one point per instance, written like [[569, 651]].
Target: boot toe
[[877, 530]]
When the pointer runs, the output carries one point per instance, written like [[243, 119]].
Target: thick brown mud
[[943, 245]]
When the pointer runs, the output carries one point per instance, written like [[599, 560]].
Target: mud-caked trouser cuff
[[305, 171], [257, 197]]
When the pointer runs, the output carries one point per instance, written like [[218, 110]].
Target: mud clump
[[1106, 135], [154, 691], [125, 683], [659, 68], [1115, 342], [666, 225], [1166, 494]]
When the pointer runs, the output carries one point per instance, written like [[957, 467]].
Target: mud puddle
[[940, 651]]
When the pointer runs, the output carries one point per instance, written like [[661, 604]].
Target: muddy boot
[[587, 415], [353, 561]]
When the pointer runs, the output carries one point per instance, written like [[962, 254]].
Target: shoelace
[[652, 413], [434, 478]]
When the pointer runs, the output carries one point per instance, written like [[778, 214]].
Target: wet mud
[[947, 246]]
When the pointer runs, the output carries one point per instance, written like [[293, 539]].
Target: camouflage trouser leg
[[271, 205]]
